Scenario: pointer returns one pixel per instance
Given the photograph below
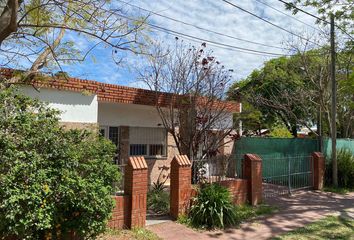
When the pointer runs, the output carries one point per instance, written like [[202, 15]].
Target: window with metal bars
[[112, 133], [149, 142]]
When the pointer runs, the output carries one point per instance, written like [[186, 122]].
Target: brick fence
[[130, 209], [180, 185], [238, 189], [242, 190]]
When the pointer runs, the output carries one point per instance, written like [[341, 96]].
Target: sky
[[214, 15]]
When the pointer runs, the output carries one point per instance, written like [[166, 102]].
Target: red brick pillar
[[318, 170], [181, 187], [135, 185], [253, 174]]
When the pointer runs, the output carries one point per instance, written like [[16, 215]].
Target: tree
[[193, 112], [33, 32], [52, 181], [342, 14], [343, 11], [294, 89], [252, 120], [280, 132], [275, 90]]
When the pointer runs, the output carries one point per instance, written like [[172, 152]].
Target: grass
[[338, 190], [244, 213], [332, 227], [247, 212], [133, 234]]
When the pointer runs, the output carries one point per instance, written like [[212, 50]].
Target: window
[[149, 142], [156, 149], [138, 149], [112, 133]]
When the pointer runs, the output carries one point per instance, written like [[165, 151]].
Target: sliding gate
[[285, 174]]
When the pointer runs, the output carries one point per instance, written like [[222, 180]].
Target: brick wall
[[120, 213], [242, 190], [238, 189], [180, 188], [130, 209], [135, 185]]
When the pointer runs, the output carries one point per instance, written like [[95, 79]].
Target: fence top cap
[[317, 154], [182, 160], [137, 162], [253, 157]]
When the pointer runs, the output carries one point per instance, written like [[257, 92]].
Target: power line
[[289, 15], [216, 45], [204, 29], [269, 22], [291, 5], [303, 11], [251, 51], [214, 42]]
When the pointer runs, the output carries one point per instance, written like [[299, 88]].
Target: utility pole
[[334, 106]]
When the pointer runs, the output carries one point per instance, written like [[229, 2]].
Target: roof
[[114, 93]]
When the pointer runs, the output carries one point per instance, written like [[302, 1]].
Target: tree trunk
[[8, 19]]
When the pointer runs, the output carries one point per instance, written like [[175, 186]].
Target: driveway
[[296, 211]]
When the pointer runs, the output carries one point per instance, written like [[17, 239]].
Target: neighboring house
[[125, 115]]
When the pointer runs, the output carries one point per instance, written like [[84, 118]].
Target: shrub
[[280, 132], [345, 160], [52, 181], [213, 208], [158, 200]]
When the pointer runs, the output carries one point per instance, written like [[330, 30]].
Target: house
[[125, 115]]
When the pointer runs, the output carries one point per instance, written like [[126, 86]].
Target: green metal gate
[[286, 174]]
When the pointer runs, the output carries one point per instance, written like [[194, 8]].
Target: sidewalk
[[294, 212]]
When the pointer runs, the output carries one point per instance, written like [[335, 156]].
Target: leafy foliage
[[291, 90], [241, 213], [213, 208], [280, 132], [342, 10], [158, 200], [52, 181], [345, 160]]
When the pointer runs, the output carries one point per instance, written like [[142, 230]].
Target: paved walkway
[[294, 212]]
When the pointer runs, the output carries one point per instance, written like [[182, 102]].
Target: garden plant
[[53, 182]]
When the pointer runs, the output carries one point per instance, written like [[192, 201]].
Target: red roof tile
[[114, 93]]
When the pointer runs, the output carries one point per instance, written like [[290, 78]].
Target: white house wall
[[133, 115], [75, 107]]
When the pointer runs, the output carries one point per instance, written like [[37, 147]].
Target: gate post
[[318, 170], [180, 185], [253, 174], [136, 186]]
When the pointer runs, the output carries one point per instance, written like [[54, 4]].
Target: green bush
[[280, 132], [158, 200], [52, 181], [213, 208], [345, 161]]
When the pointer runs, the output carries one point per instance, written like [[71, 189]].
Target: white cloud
[[218, 16], [214, 15]]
